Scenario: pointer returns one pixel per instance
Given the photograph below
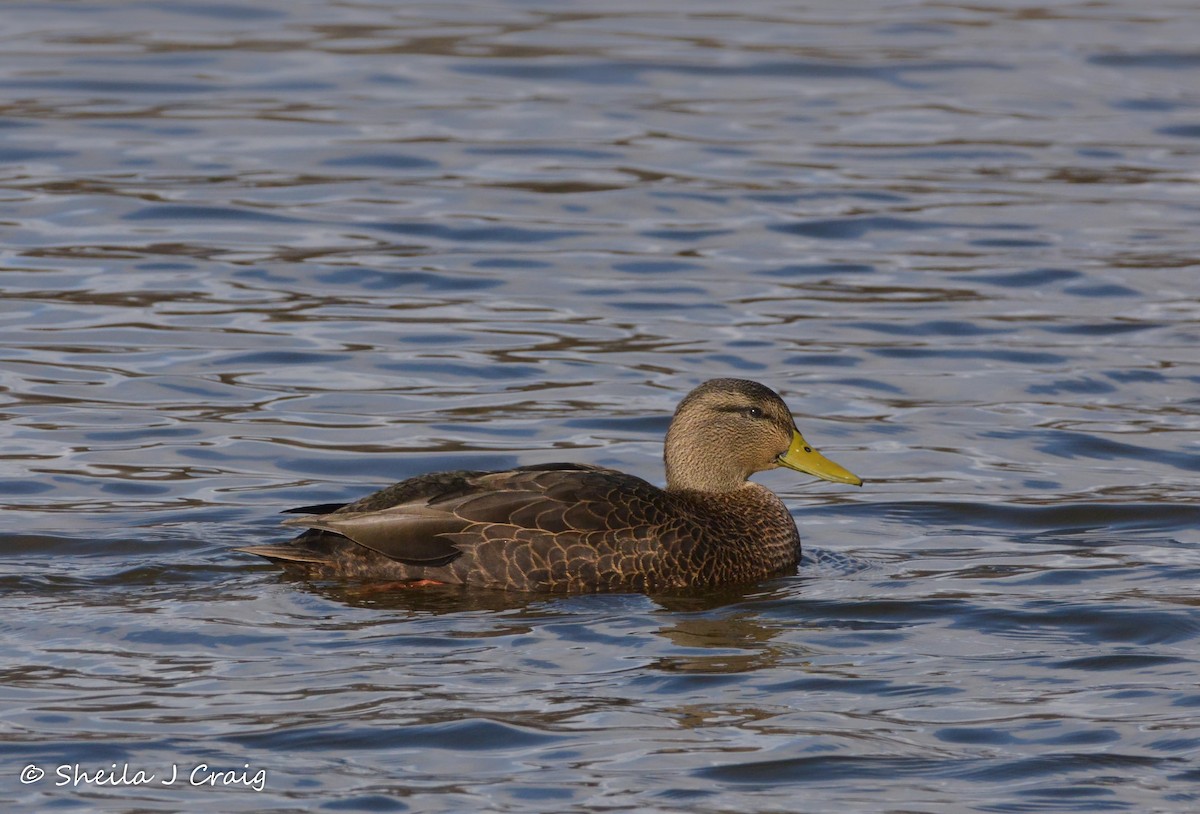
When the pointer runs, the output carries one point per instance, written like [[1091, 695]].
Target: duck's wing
[[318, 547], [430, 521]]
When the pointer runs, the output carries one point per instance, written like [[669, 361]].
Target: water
[[272, 254]]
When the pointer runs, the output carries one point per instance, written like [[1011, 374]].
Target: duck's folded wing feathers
[[434, 521], [402, 532]]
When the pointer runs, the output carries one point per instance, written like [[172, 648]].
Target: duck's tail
[[286, 553]]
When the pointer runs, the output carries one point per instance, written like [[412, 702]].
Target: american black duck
[[574, 528]]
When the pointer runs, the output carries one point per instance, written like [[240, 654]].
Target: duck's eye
[[754, 412]]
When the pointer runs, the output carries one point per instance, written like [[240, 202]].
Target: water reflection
[[743, 641], [444, 599]]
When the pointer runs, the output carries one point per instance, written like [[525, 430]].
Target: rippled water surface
[[257, 255]]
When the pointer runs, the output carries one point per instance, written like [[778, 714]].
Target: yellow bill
[[803, 458]]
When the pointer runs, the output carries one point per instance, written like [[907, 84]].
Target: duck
[[577, 528]]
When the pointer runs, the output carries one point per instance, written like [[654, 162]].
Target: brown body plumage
[[576, 528]]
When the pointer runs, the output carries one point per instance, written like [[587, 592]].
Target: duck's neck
[[688, 470], [689, 483]]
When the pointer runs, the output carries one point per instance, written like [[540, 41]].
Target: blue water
[[274, 254]]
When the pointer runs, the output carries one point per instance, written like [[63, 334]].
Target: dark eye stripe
[[753, 412]]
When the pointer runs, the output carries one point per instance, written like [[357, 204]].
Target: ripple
[[617, 72], [1023, 279], [1181, 130], [499, 234], [469, 735], [819, 769], [1074, 444], [1018, 357], [385, 161], [1156, 60], [1057, 517], [849, 228], [182, 212]]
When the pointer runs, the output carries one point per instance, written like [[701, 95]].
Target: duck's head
[[727, 429]]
